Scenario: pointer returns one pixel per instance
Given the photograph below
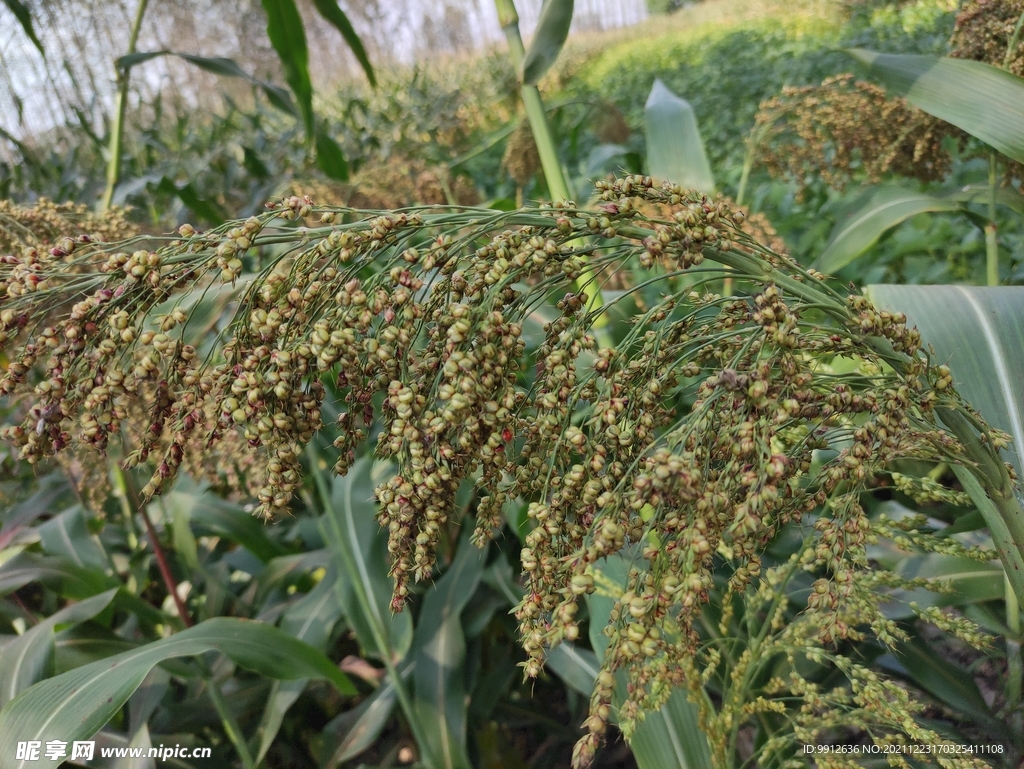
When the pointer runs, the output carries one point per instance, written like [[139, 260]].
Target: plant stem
[[1014, 39], [558, 185], [1014, 661], [131, 499], [231, 727], [554, 175], [991, 244], [121, 109], [748, 165]]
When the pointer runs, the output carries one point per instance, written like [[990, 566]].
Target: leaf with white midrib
[[981, 343], [357, 542], [1016, 427], [439, 652], [36, 645], [76, 704]]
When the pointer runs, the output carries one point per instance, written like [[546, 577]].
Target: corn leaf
[[288, 36], [77, 704], [29, 657], [985, 101], [552, 31], [869, 217], [24, 17], [675, 150], [331, 12], [359, 549], [439, 652]]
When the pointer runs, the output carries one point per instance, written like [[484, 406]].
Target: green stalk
[[991, 489], [558, 185], [991, 244], [117, 130], [741, 193], [1014, 39], [554, 175], [1014, 661], [748, 164], [231, 727]]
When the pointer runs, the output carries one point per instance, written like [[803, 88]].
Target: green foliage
[[983, 100], [466, 349], [548, 39], [792, 627], [675, 149]]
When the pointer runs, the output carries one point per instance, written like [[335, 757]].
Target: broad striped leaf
[[77, 704], [552, 30], [675, 150], [985, 101], [355, 731], [869, 217], [29, 657], [981, 342], [439, 652], [359, 549], [577, 667], [979, 333], [669, 738], [311, 620]]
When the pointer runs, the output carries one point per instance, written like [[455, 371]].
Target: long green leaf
[[552, 31], [31, 567], [950, 684], [28, 658], [967, 580], [981, 342], [329, 157], [210, 514], [329, 10], [24, 17], [359, 548], [76, 704], [311, 621], [287, 35], [577, 667], [985, 101], [869, 217], [669, 738], [68, 535], [675, 150], [186, 193], [218, 65], [439, 652], [356, 730]]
